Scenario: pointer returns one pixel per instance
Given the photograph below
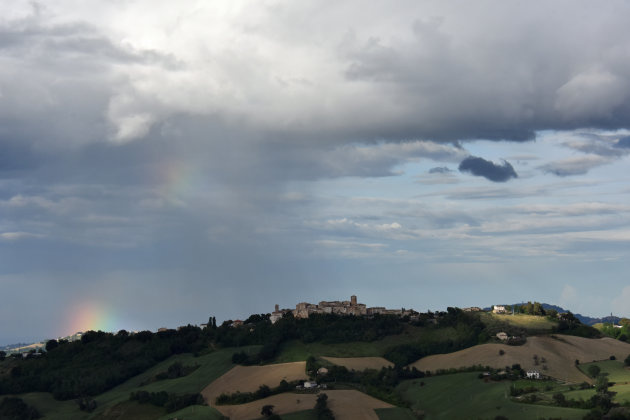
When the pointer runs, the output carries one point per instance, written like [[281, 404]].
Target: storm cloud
[[487, 169], [301, 151]]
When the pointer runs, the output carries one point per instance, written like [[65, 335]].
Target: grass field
[[211, 367], [622, 393], [294, 351], [532, 323], [195, 412], [115, 402], [396, 413], [53, 409], [464, 396], [129, 410], [616, 371], [300, 415]]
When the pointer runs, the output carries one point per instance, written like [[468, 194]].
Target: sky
[[162, 162]]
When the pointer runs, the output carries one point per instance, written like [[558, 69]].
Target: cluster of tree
[[321, 408], [380, 384], [263, 392], [176, 370], [98, 362], [569, 324], [267, 412], [170, 401], [13, 408], [622, 334], [530, 308], [327, 328], [600, 403], [87, 404], [466, 330]]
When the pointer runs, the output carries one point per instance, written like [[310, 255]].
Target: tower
[[277, 308], [353, 300]]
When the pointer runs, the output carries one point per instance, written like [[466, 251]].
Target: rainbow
[[89, 315], [178, 179]]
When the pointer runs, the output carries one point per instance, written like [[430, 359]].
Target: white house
[[499, 309], [502, 336], [533, 374], [310, 384]]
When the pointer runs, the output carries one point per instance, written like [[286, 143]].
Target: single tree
[[267, 410], [51, 344], [593, 371], [601, 385]]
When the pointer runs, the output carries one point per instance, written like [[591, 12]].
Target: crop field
[[345, 404], [555, 353], [465, 396], [360, 363], [616, 371], [249, 378]]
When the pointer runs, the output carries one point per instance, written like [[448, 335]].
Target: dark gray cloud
[[487, 169], [440, 170], [151, 140]]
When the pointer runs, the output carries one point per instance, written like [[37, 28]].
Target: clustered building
[[351, 307]]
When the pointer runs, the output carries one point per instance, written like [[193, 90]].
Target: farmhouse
[[502, 336], [499, 309], [533, 374], [322, 371]]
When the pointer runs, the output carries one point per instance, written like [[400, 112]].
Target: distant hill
[[586, 320]]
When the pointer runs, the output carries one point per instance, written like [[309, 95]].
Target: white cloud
[[12, 236]]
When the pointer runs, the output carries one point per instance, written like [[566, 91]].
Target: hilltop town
[[351, 307]]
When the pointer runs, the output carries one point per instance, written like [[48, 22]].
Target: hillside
[[157, 375], [556, 353]]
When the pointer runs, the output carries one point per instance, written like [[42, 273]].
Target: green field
[[531, 323], [396, 413], [195, 412], [211, 366], [615, 369], [295, 350], [52, 408], [622, 393], [464, 396], [300, 415]]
